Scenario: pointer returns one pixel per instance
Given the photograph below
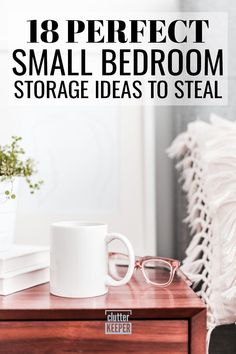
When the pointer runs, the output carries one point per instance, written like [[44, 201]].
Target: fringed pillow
[[207, 162]]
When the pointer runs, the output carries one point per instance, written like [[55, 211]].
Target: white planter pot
[[7, 215]]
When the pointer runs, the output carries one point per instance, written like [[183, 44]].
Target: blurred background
[[107, 163]]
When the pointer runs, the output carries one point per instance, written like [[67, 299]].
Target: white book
[[14, 282], [22, 258]]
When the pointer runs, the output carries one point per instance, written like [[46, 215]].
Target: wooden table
[[164, 320]]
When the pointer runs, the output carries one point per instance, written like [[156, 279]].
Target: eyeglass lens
[[157, 271]]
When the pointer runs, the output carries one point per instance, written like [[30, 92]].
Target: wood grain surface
[[165, 320], [146, 301], [88, 337]]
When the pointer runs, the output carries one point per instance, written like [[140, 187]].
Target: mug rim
[[77, 224]]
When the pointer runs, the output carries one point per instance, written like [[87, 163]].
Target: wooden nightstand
[[164, 320]]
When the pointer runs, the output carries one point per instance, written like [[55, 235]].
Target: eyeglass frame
[[174, 265]]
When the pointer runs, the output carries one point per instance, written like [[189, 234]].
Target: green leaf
[[13, 164]]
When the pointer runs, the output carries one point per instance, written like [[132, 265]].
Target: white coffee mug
[[79, 259]]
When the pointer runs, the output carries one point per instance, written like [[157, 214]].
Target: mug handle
[[109, 280]]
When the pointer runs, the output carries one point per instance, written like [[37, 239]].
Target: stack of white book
[[22, 267]]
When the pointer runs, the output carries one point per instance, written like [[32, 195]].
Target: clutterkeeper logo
[[118, 322]]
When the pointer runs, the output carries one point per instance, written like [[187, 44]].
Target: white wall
[[92, 159]]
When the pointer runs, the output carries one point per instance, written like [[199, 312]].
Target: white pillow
[[207, 153]]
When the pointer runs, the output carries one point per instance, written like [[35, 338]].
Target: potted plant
[[13, 165]]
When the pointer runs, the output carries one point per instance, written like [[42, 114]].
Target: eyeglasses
[[156, 270]]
